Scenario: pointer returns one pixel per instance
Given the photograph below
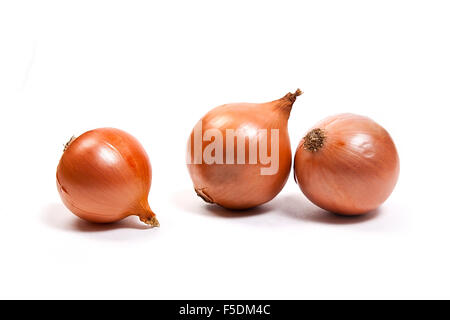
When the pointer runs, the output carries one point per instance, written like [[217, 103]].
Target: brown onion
[[240, 178], [104, 175], [347, 164]]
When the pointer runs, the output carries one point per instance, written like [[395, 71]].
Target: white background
[[153, 69]]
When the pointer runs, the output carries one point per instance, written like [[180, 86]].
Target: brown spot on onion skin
[[241, 186], [347, 165]]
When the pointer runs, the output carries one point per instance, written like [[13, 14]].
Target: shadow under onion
[[296, 206], [58, 217], [293, 206]]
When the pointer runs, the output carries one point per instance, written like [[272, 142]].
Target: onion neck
[[314, 140], [151, 221], [291, 97], [285, 104], [148, 217]]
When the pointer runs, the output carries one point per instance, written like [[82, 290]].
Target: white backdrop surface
[[153, 69]]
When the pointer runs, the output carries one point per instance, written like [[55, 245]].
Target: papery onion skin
[[241, 186], [354, 170], [104, 176]]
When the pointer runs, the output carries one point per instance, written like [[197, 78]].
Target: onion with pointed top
[[239, 154], [104, 176]]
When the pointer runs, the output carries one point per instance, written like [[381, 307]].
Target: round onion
[[248, 181], [104, 175], [347, 164]]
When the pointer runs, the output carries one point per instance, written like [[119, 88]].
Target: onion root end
[[68, 143], [314, 140], [202, 194]]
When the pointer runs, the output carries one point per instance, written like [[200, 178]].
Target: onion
[[347, 164], [239, 155], [104, 176]]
